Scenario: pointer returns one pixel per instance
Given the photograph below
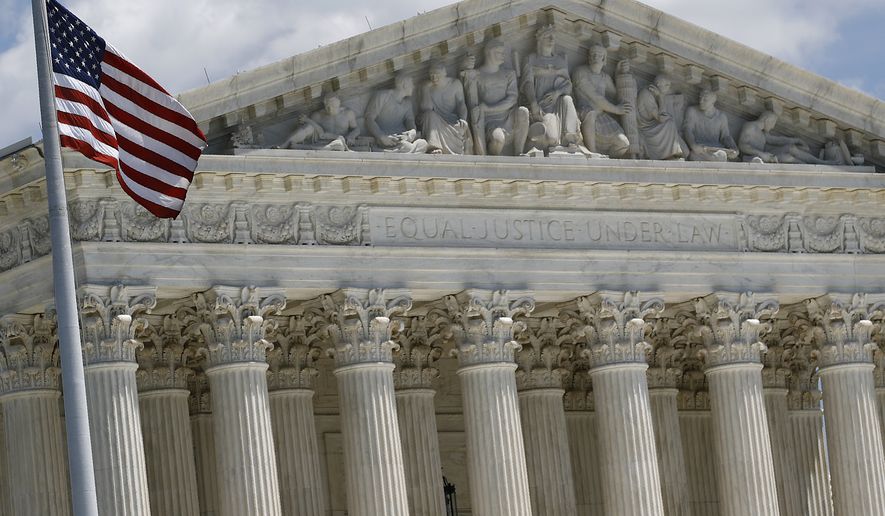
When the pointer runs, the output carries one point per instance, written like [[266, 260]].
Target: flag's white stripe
[[75, 108], [123, 103], [151, 195], [152, 170], [147, 90], [84, 135], [151, 144], [66, 81]]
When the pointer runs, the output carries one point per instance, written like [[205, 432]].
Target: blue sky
[[175, 40]]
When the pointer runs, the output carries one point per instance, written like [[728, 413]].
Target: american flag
[[114, 113]]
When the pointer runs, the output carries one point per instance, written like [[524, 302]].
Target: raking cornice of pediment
[[269, 99]]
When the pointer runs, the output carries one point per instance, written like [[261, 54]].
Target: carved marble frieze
[[242, 222]]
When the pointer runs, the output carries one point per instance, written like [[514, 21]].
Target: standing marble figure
[[444, 113], [391, 120], [657, 127], [706, 131], [593, 89]]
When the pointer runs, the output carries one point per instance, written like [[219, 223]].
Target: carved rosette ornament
[[292, 359], [542, 357], [110, 318], [360, 325], [418, 352], [843, 328], [483, 325], [162, 361], [233, 322], [615, 330], [730, 328], [28, 358]]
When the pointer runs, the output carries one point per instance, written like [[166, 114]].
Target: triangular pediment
[[266, 103]]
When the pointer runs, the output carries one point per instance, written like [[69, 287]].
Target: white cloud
[[173, 40]]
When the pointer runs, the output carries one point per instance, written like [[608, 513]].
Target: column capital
[[843, 328], [359, 324], [615, 326], [110, 318], [28, 358], [163, 360], [730, 325], [419, 349], [670, 350], [232, 323], [483, 326], [542, 357], [200, 401], [296, 348]]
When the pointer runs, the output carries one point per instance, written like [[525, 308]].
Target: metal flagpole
[[73, 379]]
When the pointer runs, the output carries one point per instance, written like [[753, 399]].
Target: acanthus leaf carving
[[843, 328], [419, 349], [541, 361], [615, 327], [110, 318], [297, 347], [163, 359], [483, 325], [731, 327], [28, 353]]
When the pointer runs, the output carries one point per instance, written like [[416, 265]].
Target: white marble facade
[[584, 330]]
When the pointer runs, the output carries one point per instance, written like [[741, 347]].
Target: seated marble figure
[[546, 84], [758, 145], [497, 121], [706, 131], [332, 128], [444, 113], [390, 118], [594, 91], [657, 128]]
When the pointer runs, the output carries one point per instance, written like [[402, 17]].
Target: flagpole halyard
[[82, 473]]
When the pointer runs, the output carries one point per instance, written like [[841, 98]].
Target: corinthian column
[[291, 383], [617, 353], [168, 443], [233, 323], [412, 380], [361, 329], [200, 408], [484, 329], [879, 375], [843, 329], [730, 331], [539, 382], [109, 317], [29, 393]]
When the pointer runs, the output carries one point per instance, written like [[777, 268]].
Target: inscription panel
[[440, 227]]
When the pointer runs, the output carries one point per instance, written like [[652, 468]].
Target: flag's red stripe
[[88, 151], [81, 98], [158, 160], [152, 131], [159, 211], [152, 107], [151, 182], [84, 123], [125, 66]]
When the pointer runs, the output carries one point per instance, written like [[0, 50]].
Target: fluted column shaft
[[880, 403], [812, 471], [206, 463], [551, 484], [854, 439], [298, 459], [117, 440], [373, 459], [631, 483], [697, 441], [742, 443], [668, 444], [495, 454], [248, 483], [35, 453], [420, 445], [5, 502], [168, 444], [789, 499], [585, 462]]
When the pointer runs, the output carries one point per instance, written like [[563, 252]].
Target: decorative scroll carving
[[615, 330], [275, 224], [843, 328], [110, 319], [28, 356], [767, 233], [542, 357], [360, 325], [483, 325], [419, 349], [731, 327], [872, 234], [297, 348], [162, 361], [233, 322], [340, 225]]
